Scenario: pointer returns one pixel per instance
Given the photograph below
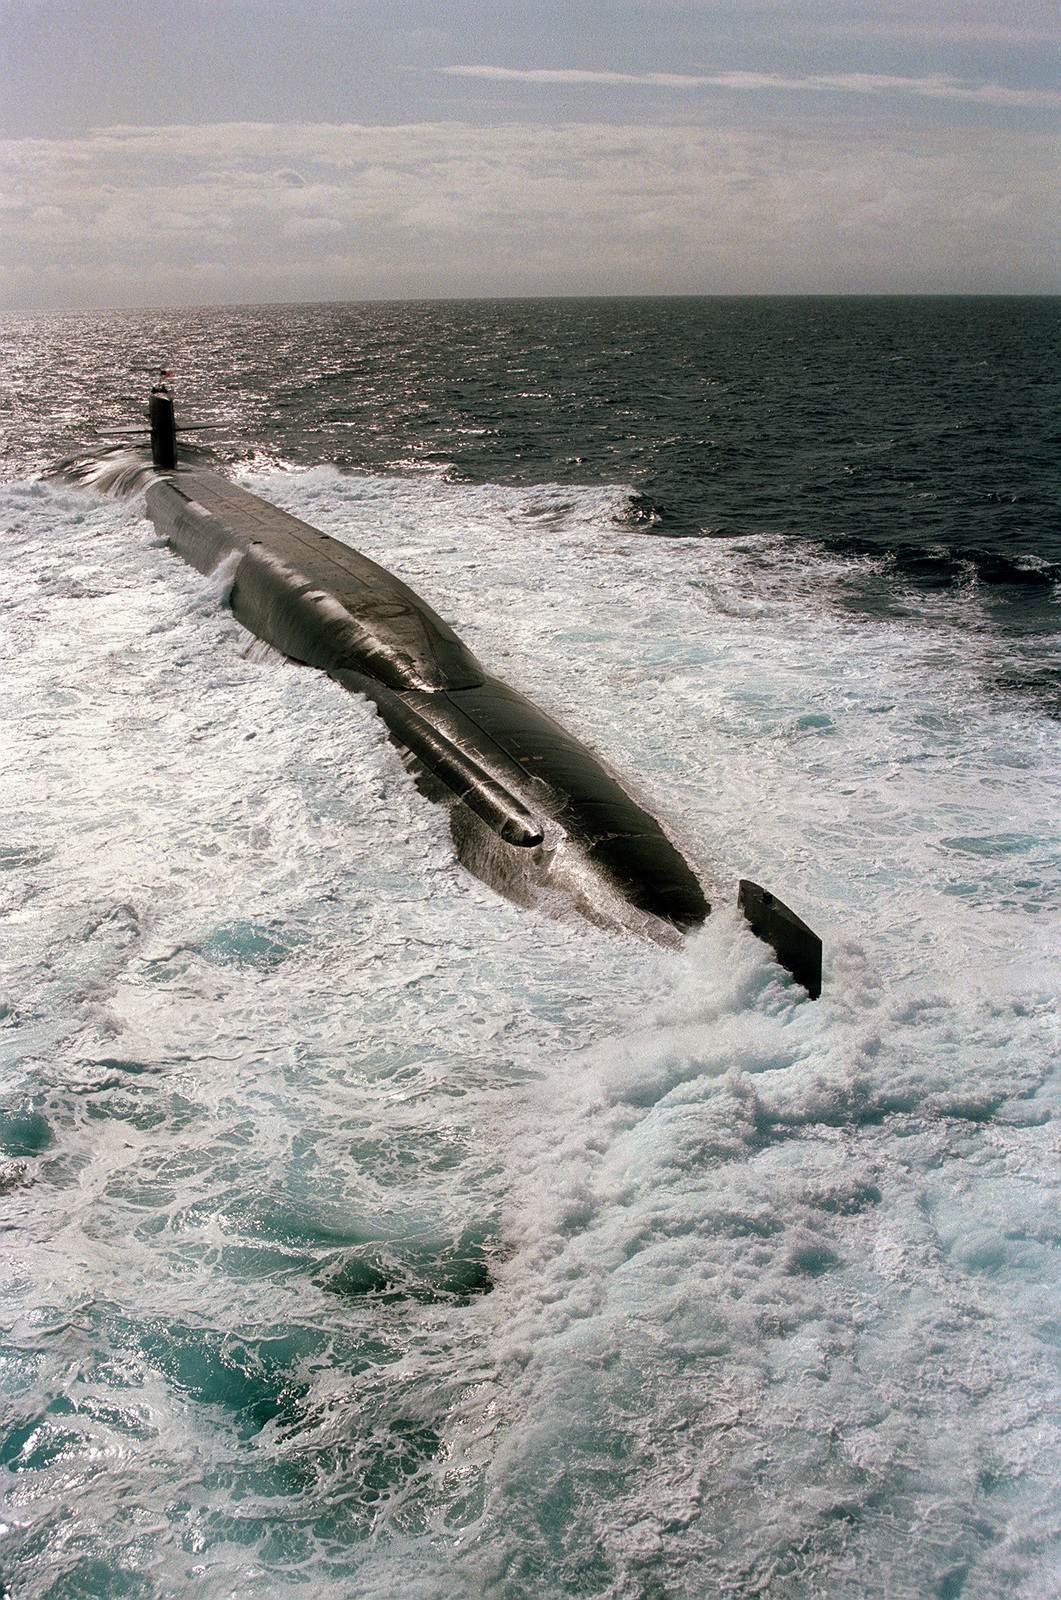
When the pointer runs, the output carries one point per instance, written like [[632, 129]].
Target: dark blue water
[[924, 431]]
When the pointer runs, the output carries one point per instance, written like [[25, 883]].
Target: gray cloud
[[623, 145], [133, 215], [936, 86]]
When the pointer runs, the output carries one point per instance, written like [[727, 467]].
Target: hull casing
[[533, 810]]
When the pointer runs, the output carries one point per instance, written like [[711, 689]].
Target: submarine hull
[[533, 811]]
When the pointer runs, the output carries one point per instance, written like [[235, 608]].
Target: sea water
[[366, 1235]]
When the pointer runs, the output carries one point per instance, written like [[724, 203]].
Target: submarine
[[533, 812]]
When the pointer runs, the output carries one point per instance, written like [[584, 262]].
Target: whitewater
[[366, 1235]]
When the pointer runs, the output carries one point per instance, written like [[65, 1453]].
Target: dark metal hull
[[534, 812]]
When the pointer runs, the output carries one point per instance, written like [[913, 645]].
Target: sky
[[204, 152]]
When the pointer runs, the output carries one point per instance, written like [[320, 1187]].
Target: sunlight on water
[[368, 1236]]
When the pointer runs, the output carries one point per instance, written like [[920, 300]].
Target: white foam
[[775, 1297]]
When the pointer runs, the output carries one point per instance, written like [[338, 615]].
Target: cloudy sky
[[183, 152]]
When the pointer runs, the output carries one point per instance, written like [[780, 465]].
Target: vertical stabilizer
[[797, 949]]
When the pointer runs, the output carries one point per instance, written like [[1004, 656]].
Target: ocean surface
[[365, 1235]]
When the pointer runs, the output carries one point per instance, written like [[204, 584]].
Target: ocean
[[366, 1235]]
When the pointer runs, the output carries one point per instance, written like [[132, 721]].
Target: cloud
[[194, 215], [936, 86], [975, 22]]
